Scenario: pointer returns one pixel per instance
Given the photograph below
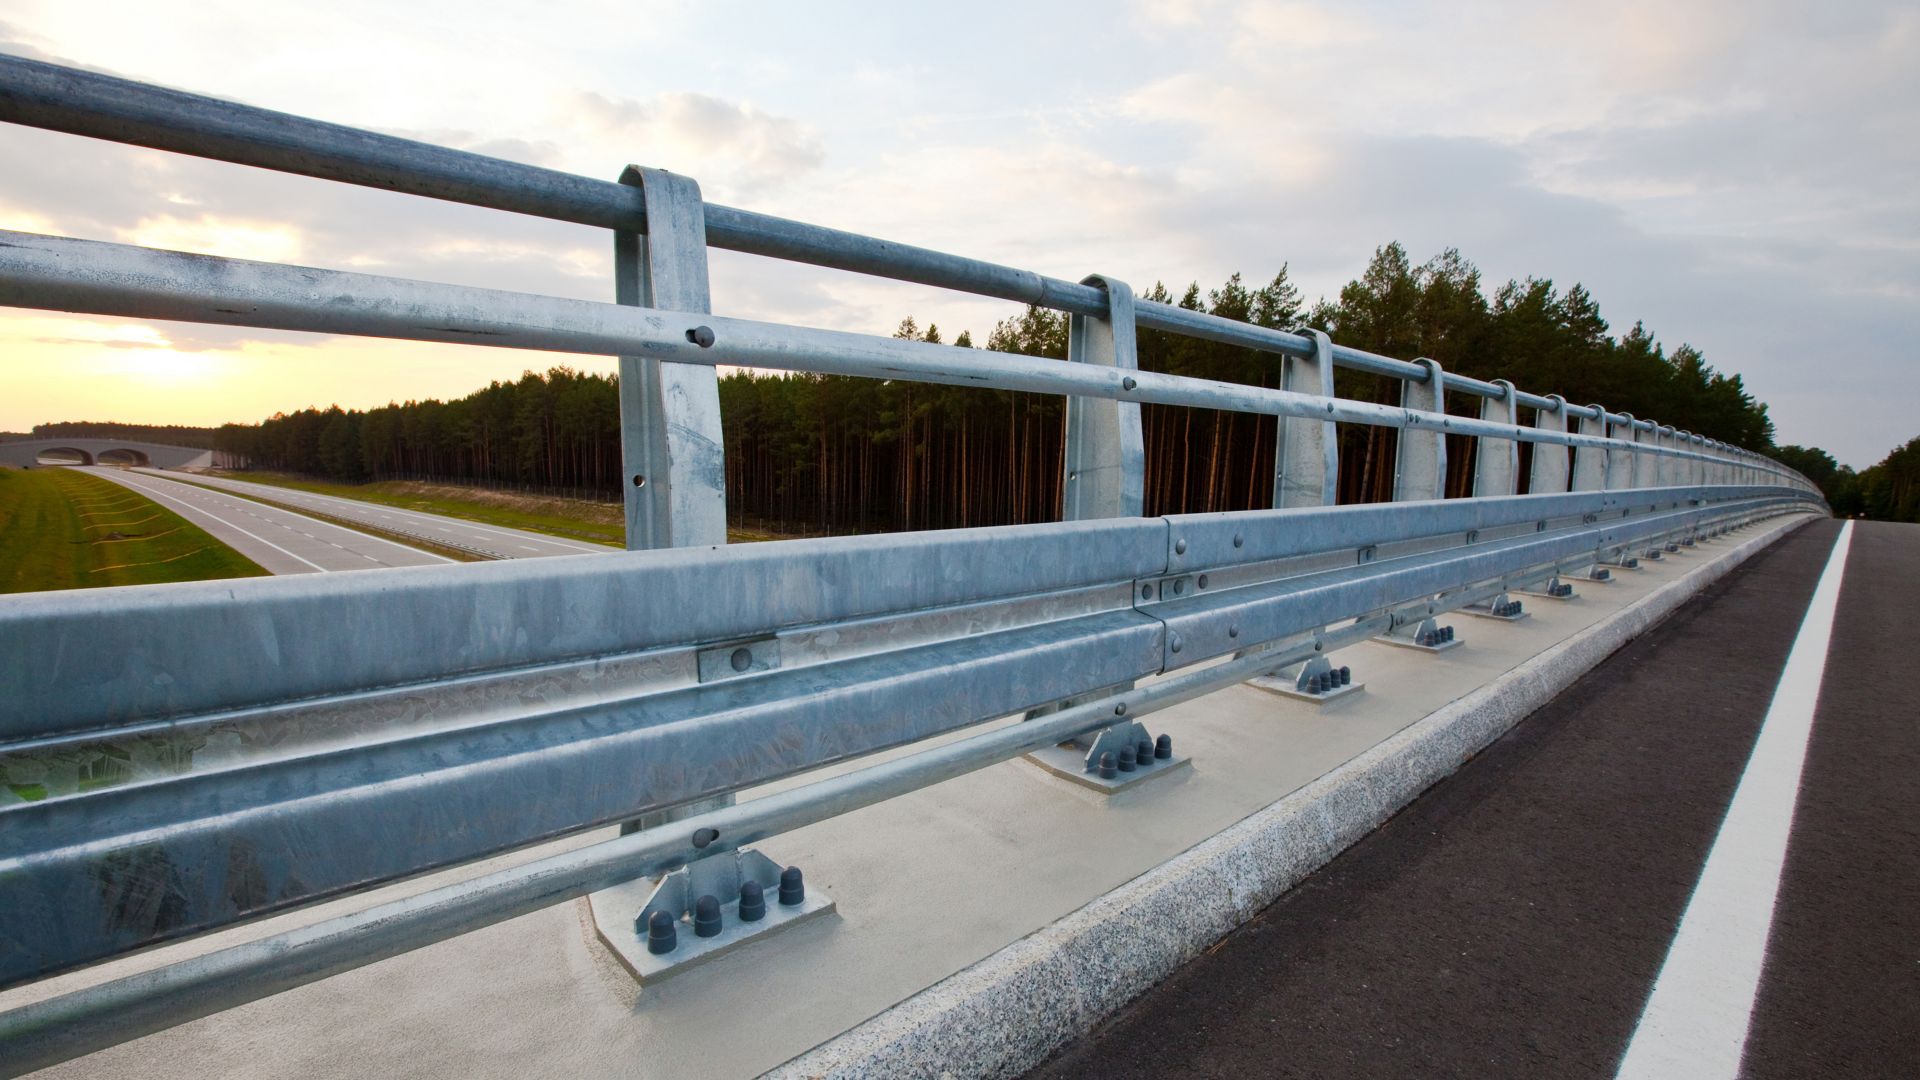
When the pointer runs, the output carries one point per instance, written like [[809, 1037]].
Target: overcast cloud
[[1741, 176]]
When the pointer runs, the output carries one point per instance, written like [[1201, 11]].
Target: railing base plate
[[617, 923], [1069, 762], [1292, 680], [1408, 643], [1285, 688]]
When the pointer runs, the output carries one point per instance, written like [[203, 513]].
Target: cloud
[[731, 146], [210, 234], [17, 42]]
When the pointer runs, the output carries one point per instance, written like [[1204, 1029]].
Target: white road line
[[230, 525], [355, 532], [1695, 1022], [433, 521]]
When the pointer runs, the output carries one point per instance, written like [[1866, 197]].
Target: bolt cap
[[753, 902], [706, 916], [661, 935], [793, 887]]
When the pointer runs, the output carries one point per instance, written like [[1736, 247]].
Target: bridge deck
[[1513, 920]]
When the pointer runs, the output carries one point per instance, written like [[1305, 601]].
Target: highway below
[[280, 541], [1702, 860], [493, 541]]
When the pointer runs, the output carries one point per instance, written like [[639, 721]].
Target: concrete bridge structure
[[513, 818], [26, 453]]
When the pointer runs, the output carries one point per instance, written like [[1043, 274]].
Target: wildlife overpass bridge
[[26, 453], [220, 771]]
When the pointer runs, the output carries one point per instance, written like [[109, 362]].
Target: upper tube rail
[[56, 98]]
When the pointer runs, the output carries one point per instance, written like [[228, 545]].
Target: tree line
[[198, 438], [1888, 491], [822, 454]]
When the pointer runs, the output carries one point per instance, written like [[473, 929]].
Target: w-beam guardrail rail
[[194, 756]]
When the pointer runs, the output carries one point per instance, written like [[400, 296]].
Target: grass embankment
[[574, 519], [61, 529]]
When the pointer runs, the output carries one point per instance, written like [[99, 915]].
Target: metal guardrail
[[215, 752]]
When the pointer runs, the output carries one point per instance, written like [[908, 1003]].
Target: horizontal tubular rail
[[61, 1028], [874, 642], [83, 1021], [103, 107], [64, 274]]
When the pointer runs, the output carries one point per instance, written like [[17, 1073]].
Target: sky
[[1741, 176]]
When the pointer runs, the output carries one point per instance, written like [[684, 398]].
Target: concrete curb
[[1008, 1012]]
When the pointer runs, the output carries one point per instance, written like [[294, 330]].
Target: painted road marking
[[236, 528], [299, 517], [357, 510], [1696, 1019]]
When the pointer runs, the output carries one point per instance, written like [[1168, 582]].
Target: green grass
[[61, 529]]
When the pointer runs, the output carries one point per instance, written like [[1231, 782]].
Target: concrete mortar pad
[[897, 1043], [1005, 862]]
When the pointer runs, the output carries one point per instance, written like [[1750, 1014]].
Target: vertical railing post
[[1496, 462], [1590, 462], [1106, 457], [1619, 458], [672, 452], [1548, 475], [671, 448], [1668, 470], [1306, 455], [1646, 462], [1103, 475], [1420, 457]]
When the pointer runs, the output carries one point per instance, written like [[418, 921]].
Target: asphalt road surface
[[492, 540], [1689, 864], [281, 541]]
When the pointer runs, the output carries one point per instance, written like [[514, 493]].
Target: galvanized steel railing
[[216, 752]]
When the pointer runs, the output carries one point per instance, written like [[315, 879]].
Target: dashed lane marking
[[236, 528]]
